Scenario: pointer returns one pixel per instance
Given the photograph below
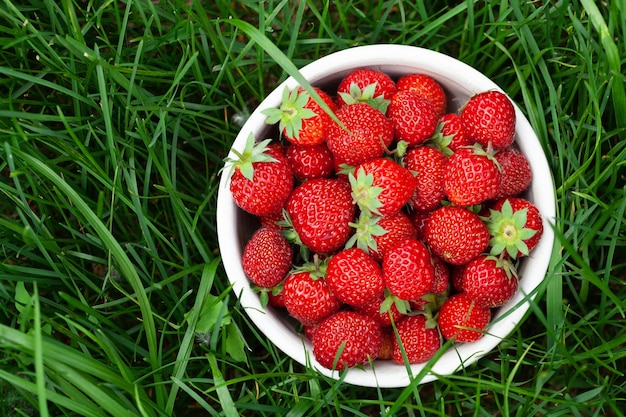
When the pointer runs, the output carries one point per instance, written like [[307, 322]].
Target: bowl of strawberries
[[390, 219]]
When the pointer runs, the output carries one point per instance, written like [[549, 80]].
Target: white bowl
[[460, 82]]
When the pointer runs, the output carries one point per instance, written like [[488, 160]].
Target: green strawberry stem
[[291, 112], [252, 152], [508, 231]]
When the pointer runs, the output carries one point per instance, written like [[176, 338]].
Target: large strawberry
[[300, 118], [490, 281], [366, 86], [267, 257], [354, 277], [515, 225], [428, 165], [516, 172], [489, 118], [414, 117], [418, 341], [462, 320], [456, 234], [261, 179], [408, 270], [366, 134], [425, 86], [310, 162], [346, 339], [471, 177], [381, 186]]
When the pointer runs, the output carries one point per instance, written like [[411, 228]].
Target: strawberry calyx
[[264, 293], [252, 152], [403, 306], [440, 141], [289, 232], [291, 112], [364, 193], [365, 229], [365, 95], [316, 268], [508, 231]]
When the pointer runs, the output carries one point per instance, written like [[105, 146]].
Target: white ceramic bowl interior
[[460, 82]]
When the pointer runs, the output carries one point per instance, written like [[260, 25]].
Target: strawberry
[[425, 86], [310, 162], [442, 275], [450, 134], [516, 172], [300, 118], [366, 134], [414, 117], [386, 348], [320, 212], [267, 257], [261, 179], [366, 86], [489, 117], [346, 339], [381, 186], [515, 226], [408, 270], [272, 220], [462, 320], [354, 277], [456, 234], [418, 338], [427, 164], [377, 308], [471, 177], [307, 297], [419, 220], [490, 281]]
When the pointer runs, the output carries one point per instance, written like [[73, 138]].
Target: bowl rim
[[452, 73]]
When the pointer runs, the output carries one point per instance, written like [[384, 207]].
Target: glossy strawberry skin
[[408, 270], [398, 227], [462, 320], [470, 178], [313, 130], [321, 210], [384, 318], [452, 131], [358, 336], [310, 162], [413, 117], [385, 86], [367, 136], [419, 342], [425, 86], [354, 277], [533, 218], [456, 234], [307, 299], [516, 172], [489, 117], [267, 257], [487, 283], [428, 166]]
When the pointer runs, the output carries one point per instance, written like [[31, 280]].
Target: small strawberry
[[272, 220], [300, 118], [490, 281], [267, 257], [515, 226], [428, 165], [418, 341], [489, 117], [456, 234], [354, 277], [462, 320], [414, 117], [261, 179], [321, 211], [442, 275], [450, 134], [386, 348], [419, 220], [366, 86], [377, 308], [408, 270], [310, 162], [516, 172], [366, 134], [472, 176], [381, 186], [425, 86], [346, 339]]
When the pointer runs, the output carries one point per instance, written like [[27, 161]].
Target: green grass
[[114, 119]]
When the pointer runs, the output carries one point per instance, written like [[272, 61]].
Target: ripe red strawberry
[[428, 165], [261, 179], [490, 281], [320, 211], [267, 257], [419, 339], [515, 226], [300, 118], [397, 227], [376, 308], [308, 298], [425, 86], [366, 86], [442, 275], [489, 117], [471, 177], [450, 134], [354, 277], [419, 220], [272, 220], [462, 320], [408, 270], [346, 339], [369, 133], [456, 234], [310, 162], [381, 186], [516, 172], [414, 117]]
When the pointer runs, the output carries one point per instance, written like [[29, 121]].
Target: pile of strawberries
[[393, 224]]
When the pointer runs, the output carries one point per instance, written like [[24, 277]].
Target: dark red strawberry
[[310, 162], [419, 340], [490, 281], [471, 177], [366, 86], [427, 164], [408, 270], [414, 117], [267, 258], [354, 277], [308, 298], [515, 226], [516, 172], [462, 320], [489, 118], [425, 86], [346, 339]]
